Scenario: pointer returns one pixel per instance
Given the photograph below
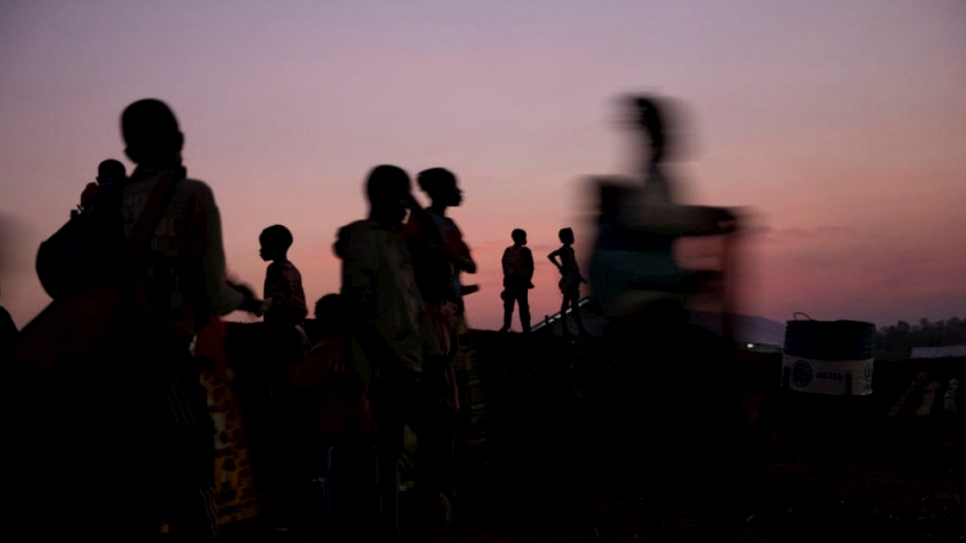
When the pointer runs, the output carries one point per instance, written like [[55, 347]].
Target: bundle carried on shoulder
[[77, 326]]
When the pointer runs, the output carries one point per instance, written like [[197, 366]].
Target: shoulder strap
[[150, 217]]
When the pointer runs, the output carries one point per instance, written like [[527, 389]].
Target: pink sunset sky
[[841, 124]]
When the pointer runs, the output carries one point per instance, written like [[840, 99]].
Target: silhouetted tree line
[[897, 341]]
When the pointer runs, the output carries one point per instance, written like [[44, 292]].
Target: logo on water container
[[801, 373]]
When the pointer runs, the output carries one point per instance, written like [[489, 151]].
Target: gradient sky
[[842, 124]]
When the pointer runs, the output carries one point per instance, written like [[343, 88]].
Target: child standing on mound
[[570, 280], [517, 280]]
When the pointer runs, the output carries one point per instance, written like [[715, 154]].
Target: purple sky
[[842, 124]]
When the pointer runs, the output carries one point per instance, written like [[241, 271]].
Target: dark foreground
[[555, 467]]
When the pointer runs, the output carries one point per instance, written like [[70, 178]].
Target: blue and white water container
[[829, 357]]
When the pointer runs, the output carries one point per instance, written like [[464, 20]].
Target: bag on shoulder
[[70, 258], [60, 264], [77, 326]]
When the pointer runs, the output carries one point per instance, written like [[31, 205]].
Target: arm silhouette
[[553, 258]]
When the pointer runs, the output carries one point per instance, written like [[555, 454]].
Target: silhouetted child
[[517, 276], [102, 236], [285, 344], [386, 314], [332, 397], [440, 251], [439, 257], [283, 282], [570, 281], [110, 174], [329, 370]]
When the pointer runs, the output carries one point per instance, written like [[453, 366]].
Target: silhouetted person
[[284, 346], [643, 290], [517, 276], [440, 257], [140, 419], [110, 173], [286, 312], [570, 280], [283, 282], [190, 286], [387, 316], [633, 253], [332, 393], [110, 170], [440, 239]]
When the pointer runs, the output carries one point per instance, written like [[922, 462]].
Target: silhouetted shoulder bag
[[58, 256], [78, 327]]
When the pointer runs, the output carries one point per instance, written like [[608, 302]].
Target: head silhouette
[[519, 236], [151, 134], [650, 116], [110, 169], [387, 189], [440, 185], [329, 312], [275, 242], [566, 236]]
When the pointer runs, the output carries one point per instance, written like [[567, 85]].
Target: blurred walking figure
[[633, 263], [517, 280], [643, 290], [570, 280]]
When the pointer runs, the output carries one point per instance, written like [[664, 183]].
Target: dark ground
[[555, 469]]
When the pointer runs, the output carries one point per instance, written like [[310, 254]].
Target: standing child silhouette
[[283, 282], [517, 277], [570, 281]]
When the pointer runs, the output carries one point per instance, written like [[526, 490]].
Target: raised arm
[[647, 211], [553, 258]]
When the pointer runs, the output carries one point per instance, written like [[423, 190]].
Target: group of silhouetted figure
[[383, 358]]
